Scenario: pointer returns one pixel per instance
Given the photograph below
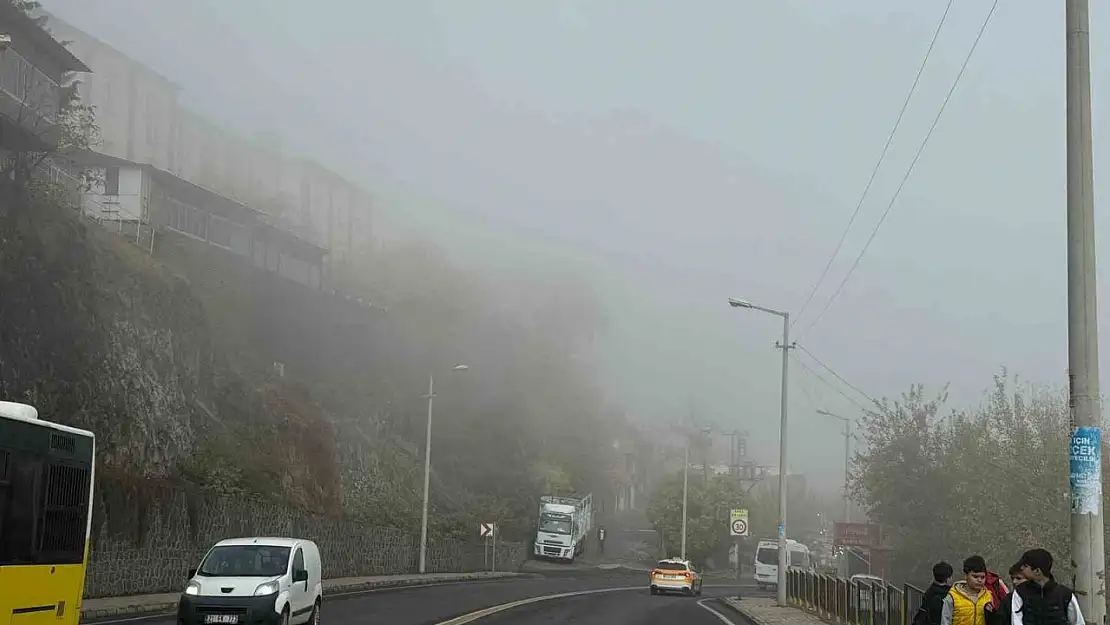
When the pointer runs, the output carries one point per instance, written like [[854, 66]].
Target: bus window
[[17, 526], [799, 558]]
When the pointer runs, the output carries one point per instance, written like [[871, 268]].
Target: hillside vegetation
[[158, 356]]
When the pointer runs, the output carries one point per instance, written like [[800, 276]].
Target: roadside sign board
[[862, 535], [486, 530], [738, 522]]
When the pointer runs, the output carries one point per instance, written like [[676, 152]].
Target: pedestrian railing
[[852, 602]]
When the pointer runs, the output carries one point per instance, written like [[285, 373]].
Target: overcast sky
[[677, 153]]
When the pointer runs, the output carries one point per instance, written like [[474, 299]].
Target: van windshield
[[767, 555], [245, 561]]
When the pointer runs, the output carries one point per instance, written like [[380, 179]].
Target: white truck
[[564, 524]]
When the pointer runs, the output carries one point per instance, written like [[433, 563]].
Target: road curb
[[734, 605], [144, 609]]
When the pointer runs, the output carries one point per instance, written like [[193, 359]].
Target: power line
[[878, 163], [810, 371], [836, 375], [909, 170]]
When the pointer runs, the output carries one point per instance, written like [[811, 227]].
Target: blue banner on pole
[[782, 530], [1085, 470]]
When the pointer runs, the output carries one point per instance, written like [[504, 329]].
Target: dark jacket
[[932, 603], [1044, 605], [998, 610]]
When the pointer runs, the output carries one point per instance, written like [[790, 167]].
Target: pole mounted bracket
[[779, 345]]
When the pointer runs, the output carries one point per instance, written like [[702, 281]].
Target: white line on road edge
[[724, 619], [161, 614], [473, 616]]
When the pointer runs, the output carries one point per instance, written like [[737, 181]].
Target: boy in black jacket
[[1040, 600], [933, 602]]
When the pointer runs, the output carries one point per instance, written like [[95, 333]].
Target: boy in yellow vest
[[967, 599]]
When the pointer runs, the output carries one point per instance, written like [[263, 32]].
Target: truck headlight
[[192, 588], [269, 588]]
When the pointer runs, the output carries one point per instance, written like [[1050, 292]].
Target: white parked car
[[255, 581]]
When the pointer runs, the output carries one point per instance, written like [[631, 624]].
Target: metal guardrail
[[853, 602]]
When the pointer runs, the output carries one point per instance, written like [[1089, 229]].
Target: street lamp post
[[685, 489], [686, 484], [847, 456], [784, 561], [428, 470], [845, 565]]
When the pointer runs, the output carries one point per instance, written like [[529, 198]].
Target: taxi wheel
[[654, 591]]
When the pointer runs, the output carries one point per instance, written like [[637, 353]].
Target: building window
[[111, 181]]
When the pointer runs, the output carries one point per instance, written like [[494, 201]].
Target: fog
[[670, 155]]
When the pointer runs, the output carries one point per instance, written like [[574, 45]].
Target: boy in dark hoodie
[[932, 603]]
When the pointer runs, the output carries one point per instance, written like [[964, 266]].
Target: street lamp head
[[460, 367], [739, 303]]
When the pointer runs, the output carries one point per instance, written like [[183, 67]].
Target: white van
[[767, 561], [254, 581]]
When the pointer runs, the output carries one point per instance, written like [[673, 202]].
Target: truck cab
[[562, 528]]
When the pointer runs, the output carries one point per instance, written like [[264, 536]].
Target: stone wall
[[152, 549]]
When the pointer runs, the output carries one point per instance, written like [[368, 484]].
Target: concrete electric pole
[[1087, 553], [785, 345]]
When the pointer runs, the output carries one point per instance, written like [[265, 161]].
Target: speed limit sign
[[738, 522]]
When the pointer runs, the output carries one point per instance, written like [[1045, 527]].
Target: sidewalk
[[764, 611], [167, 602]]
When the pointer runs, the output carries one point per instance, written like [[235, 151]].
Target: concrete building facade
[[142, 121]]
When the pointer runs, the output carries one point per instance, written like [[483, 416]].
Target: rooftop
[[23, 25]]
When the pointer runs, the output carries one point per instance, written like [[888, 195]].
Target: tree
[[708, 508], [991, 480]]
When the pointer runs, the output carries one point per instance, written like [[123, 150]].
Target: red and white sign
[[865, 535]]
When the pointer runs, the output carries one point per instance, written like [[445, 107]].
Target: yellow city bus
[[46, 485]]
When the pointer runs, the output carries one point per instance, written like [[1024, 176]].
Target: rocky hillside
[[170, 360]]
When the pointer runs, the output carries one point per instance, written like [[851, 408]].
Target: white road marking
[[722, 617], [490, 611], [327, 595]]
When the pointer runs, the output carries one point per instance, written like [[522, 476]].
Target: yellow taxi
[[675, 575]]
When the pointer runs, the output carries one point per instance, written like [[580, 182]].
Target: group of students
[[982, 598]]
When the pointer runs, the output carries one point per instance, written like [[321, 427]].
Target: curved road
[[433, 605], [626, 607]]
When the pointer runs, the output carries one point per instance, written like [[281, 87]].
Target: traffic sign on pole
[[486, 530], [738, 522]]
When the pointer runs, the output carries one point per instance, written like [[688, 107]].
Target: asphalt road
[[629, 607], [431, 605]]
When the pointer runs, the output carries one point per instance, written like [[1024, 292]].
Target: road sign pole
[[493, 558]]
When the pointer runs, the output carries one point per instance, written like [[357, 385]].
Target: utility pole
[[685, 489], [785, 346], [1087, 554], [847, 457], [784, 555]]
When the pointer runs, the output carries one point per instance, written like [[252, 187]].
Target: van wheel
[[314, 619], [285, 616]]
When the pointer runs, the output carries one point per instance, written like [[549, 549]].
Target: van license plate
[[229, 619]]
